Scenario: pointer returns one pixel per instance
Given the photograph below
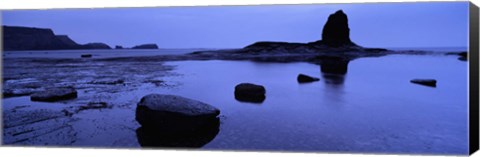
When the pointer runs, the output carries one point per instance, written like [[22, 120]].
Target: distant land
[[18, 38]]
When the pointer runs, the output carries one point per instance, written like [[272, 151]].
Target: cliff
[[28, 38]]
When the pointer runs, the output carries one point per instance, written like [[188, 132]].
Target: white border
[[82, 152]]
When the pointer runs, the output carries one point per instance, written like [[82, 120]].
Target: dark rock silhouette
[[146, 46], [95, 46], [118, 47], [174, 115], [426, 82], [335, 42], [27, 38], [302, 78], [336, 32], [463, 56], [54, 94], [248, 92], [197, 139], [86, 55]]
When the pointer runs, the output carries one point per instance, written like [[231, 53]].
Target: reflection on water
[[358, 113], [197, 139], [334, 70]]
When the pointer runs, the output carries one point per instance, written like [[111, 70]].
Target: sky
[[386, 25]]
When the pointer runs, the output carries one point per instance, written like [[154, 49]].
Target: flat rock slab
[[426, 82], [173, 115], [249, 92], [54, 94], [302, 78]]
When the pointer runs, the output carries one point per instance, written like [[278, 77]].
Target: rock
[[250, 92], [108, 81], [336, 32], [302, 78], [94, 105], [86, 55], [426, 82], [54, 94], [146, 46], [95, 46], [29, 38], [118, 47], [174, 115]]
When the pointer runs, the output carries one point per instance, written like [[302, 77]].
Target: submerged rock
[[174, 115], [54, 94], [426, 82], [302, 78], [250, 92]]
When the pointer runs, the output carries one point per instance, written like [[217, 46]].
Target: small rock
[[174, 115], [250, 92], [108, 81], [86, 55], [302, 78], [94, 105], [54, 94], [426, 82]]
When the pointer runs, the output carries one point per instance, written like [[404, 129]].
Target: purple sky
[[427, 24]]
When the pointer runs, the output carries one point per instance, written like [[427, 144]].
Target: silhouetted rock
[[302, 78], [96, 46], [66, 40], [250, 92], [86, 55], [25, 38], [426, 82], [94, 105], [108, 81], [336, 32], [118, 47], [463, 56], [28, 38], [54, 94], [146, 46], [174, 115]]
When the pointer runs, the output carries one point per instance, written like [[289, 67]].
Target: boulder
[[302, 78], [248, 92], [54, 94], [426, 82], [336, 32], [118, 47], [174, 115]]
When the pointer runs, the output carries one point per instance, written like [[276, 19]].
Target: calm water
[[373, 108]]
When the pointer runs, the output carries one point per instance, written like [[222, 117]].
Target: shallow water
[[373, 108]]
